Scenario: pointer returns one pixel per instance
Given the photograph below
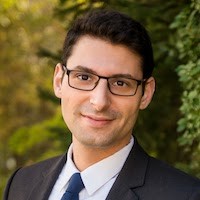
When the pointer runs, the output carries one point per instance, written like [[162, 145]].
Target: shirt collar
[[101, 172], [68, 170]]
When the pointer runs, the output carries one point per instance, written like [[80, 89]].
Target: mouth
[[97, 121]]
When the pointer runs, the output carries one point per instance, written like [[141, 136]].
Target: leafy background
[[31, 37]]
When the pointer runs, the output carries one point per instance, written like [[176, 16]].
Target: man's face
[[97, 118]]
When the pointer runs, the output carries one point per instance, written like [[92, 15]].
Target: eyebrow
[[85, 69], [88, 70]]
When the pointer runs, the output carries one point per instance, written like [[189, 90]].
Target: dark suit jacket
[[142, 177]]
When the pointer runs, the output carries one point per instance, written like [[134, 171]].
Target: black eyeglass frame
[[67, 71]]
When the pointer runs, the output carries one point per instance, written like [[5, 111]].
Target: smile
[[97, 121]]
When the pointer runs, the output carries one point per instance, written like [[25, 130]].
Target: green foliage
[[23, 30], [187, 39], [67, 11], [45, 139]]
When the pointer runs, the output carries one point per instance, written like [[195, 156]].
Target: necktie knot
[[74, 187]]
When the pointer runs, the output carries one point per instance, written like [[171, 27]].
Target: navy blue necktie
[[75, 186]]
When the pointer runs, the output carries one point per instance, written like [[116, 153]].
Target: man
[[104, 79]]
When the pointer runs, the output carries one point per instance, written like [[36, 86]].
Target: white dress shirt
[[98, 178]]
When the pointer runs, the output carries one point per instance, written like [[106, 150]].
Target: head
[[116, 28], [113, 47]]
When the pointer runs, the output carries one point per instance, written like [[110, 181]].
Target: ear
[[148, 93], [57, 80]]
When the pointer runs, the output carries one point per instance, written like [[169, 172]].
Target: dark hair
[[116, 28]]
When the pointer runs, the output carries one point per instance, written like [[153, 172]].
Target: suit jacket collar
[[131, 176], [44, 186]]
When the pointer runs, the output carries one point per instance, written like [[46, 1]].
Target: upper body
[[141, 178], [104, 80]]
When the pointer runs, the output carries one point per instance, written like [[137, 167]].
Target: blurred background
[[31, 37]]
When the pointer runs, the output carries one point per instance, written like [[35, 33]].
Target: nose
[[100, 96]]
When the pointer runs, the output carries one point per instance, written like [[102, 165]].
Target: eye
[[121, 83], [83, 76]]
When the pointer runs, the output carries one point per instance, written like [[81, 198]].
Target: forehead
[[104, 57]]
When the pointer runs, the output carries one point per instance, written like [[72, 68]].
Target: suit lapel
[[131, 176], [43, 187]]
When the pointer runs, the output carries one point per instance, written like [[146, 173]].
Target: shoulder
[[160, 172], [173, 183], [40, 166], [38, 169], [161, 180], [27, 177], [167, 174]]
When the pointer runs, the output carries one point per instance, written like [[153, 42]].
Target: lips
[[97, 121], [98, 118]]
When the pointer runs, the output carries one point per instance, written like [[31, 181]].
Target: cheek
[[65, 108], [71, 101], [67, 97], [66, 101], [130, 112]]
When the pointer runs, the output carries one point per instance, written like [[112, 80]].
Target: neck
[[85, 156]]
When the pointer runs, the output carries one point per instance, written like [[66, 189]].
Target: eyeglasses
[[117, 85]]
